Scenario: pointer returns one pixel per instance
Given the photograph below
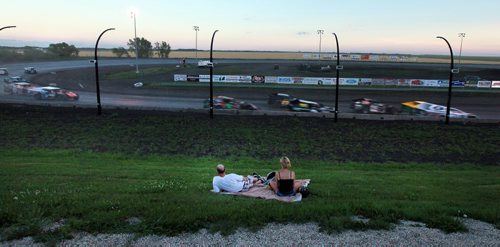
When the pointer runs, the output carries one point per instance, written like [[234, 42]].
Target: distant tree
[[63, 50], [145, 49], [163, 49], [120, 52], [34, 53]]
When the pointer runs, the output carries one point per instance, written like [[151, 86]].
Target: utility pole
[[196, 29], [320, 32]]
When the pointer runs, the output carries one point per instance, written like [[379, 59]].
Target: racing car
[[280, 99], [52, 93], [364, 105], [301, 105], [224, 102], [30, 70], [20, 88], [422, 108]]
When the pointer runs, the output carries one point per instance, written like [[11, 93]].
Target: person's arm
[[216, 188]]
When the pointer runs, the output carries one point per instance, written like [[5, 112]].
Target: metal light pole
[[136, 45], [98, 92], [452, 71], [211, 77], [320, 32], [461, 36], [338, 68], [196, 29], [7, 27]]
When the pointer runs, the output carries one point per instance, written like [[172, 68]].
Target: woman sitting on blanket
[[284, 183]]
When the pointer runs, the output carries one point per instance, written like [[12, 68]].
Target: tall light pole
[[136, 45], [452, 71], [7, 27], [98, 92], [211, 77], [461, 36], [338, 68], [196, 29], [320, 32]]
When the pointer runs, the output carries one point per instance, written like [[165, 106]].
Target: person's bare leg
[[274, 186], [297, 185]]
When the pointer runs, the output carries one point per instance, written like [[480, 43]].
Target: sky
[[363, 26]]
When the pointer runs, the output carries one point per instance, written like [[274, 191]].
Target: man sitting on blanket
[[232, 182]]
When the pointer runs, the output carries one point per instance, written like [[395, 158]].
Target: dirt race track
[[484, 104]]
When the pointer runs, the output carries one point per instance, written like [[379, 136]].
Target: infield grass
[[98, 193]]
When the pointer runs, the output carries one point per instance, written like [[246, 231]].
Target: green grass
[[261, 137], [97, 172], [131, 74], [97, 193]]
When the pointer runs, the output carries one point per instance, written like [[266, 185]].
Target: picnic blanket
[[265, 192]]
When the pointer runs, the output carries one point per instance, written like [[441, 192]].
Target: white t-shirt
[[230, 183]]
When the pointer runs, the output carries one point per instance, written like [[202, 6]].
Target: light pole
[[461, 36], [211, 77], [136, 45], [320, 32], [98, 92], [338, 68], [196, 29], [452, 71], [7, 27]]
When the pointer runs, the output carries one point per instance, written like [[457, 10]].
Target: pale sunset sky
[[382, 26]]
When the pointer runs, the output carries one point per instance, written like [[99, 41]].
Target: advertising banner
[[349, 81], [178, 77], [391, 82], [471, 83], [374, 57], [285, 80], [355, 57], [458, 84], [193, 78], [484, 84], [271, 79], [318, 81], [365, 57], [495, 84], [404, 82], [430, 83], [415, 83], [443, 83], [365, 82], [258, 79], [378, 82], [297, 80], [218, 78], [205, 78]]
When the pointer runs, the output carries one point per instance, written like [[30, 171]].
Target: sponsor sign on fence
[[349, 81], [484, 84], [180, 77], [258, 79], [284, 80], [430, 83], [271, 79], [458, 84], [331, 81]]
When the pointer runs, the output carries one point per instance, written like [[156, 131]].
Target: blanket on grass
[[265, 192]]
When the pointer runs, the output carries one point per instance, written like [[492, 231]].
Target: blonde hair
[[285, 162]]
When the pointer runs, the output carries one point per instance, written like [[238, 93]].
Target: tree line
[[67, 51], [144, 48]]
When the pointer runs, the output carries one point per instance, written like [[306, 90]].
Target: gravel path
[[407, 233]]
